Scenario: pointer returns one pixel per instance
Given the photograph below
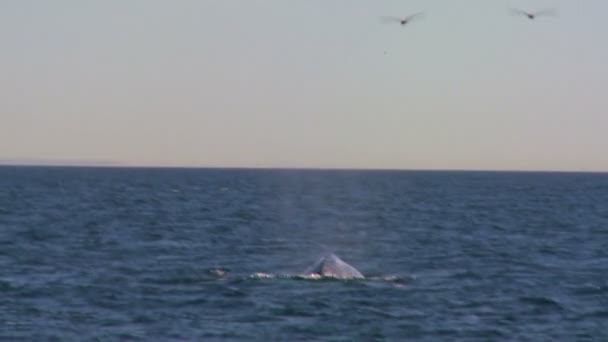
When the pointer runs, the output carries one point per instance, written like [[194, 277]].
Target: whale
[[332, 266]]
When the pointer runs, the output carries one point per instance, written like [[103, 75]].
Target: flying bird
[[532, 15], [402, 21]]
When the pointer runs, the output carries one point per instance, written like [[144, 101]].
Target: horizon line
[[118, 165]]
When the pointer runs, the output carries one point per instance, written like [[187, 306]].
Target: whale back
[[332, 266]]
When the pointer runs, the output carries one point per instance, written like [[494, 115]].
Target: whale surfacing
[[332, 266]]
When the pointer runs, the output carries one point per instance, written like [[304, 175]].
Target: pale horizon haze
[[305, 84]]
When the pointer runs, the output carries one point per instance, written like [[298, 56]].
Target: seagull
[[402, 21], [532, 15]]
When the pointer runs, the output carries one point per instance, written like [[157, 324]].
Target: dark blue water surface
[[117, 254]]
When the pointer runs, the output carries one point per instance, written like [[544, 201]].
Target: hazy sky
[[305, 83]]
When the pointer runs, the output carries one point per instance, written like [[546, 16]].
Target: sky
[[305, 84]]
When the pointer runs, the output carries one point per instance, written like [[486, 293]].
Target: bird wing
[[519, 12], [416, 15]]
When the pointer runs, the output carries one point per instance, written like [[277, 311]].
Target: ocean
[[162, 254]]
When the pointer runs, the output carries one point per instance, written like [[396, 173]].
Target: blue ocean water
[[114, 254]]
